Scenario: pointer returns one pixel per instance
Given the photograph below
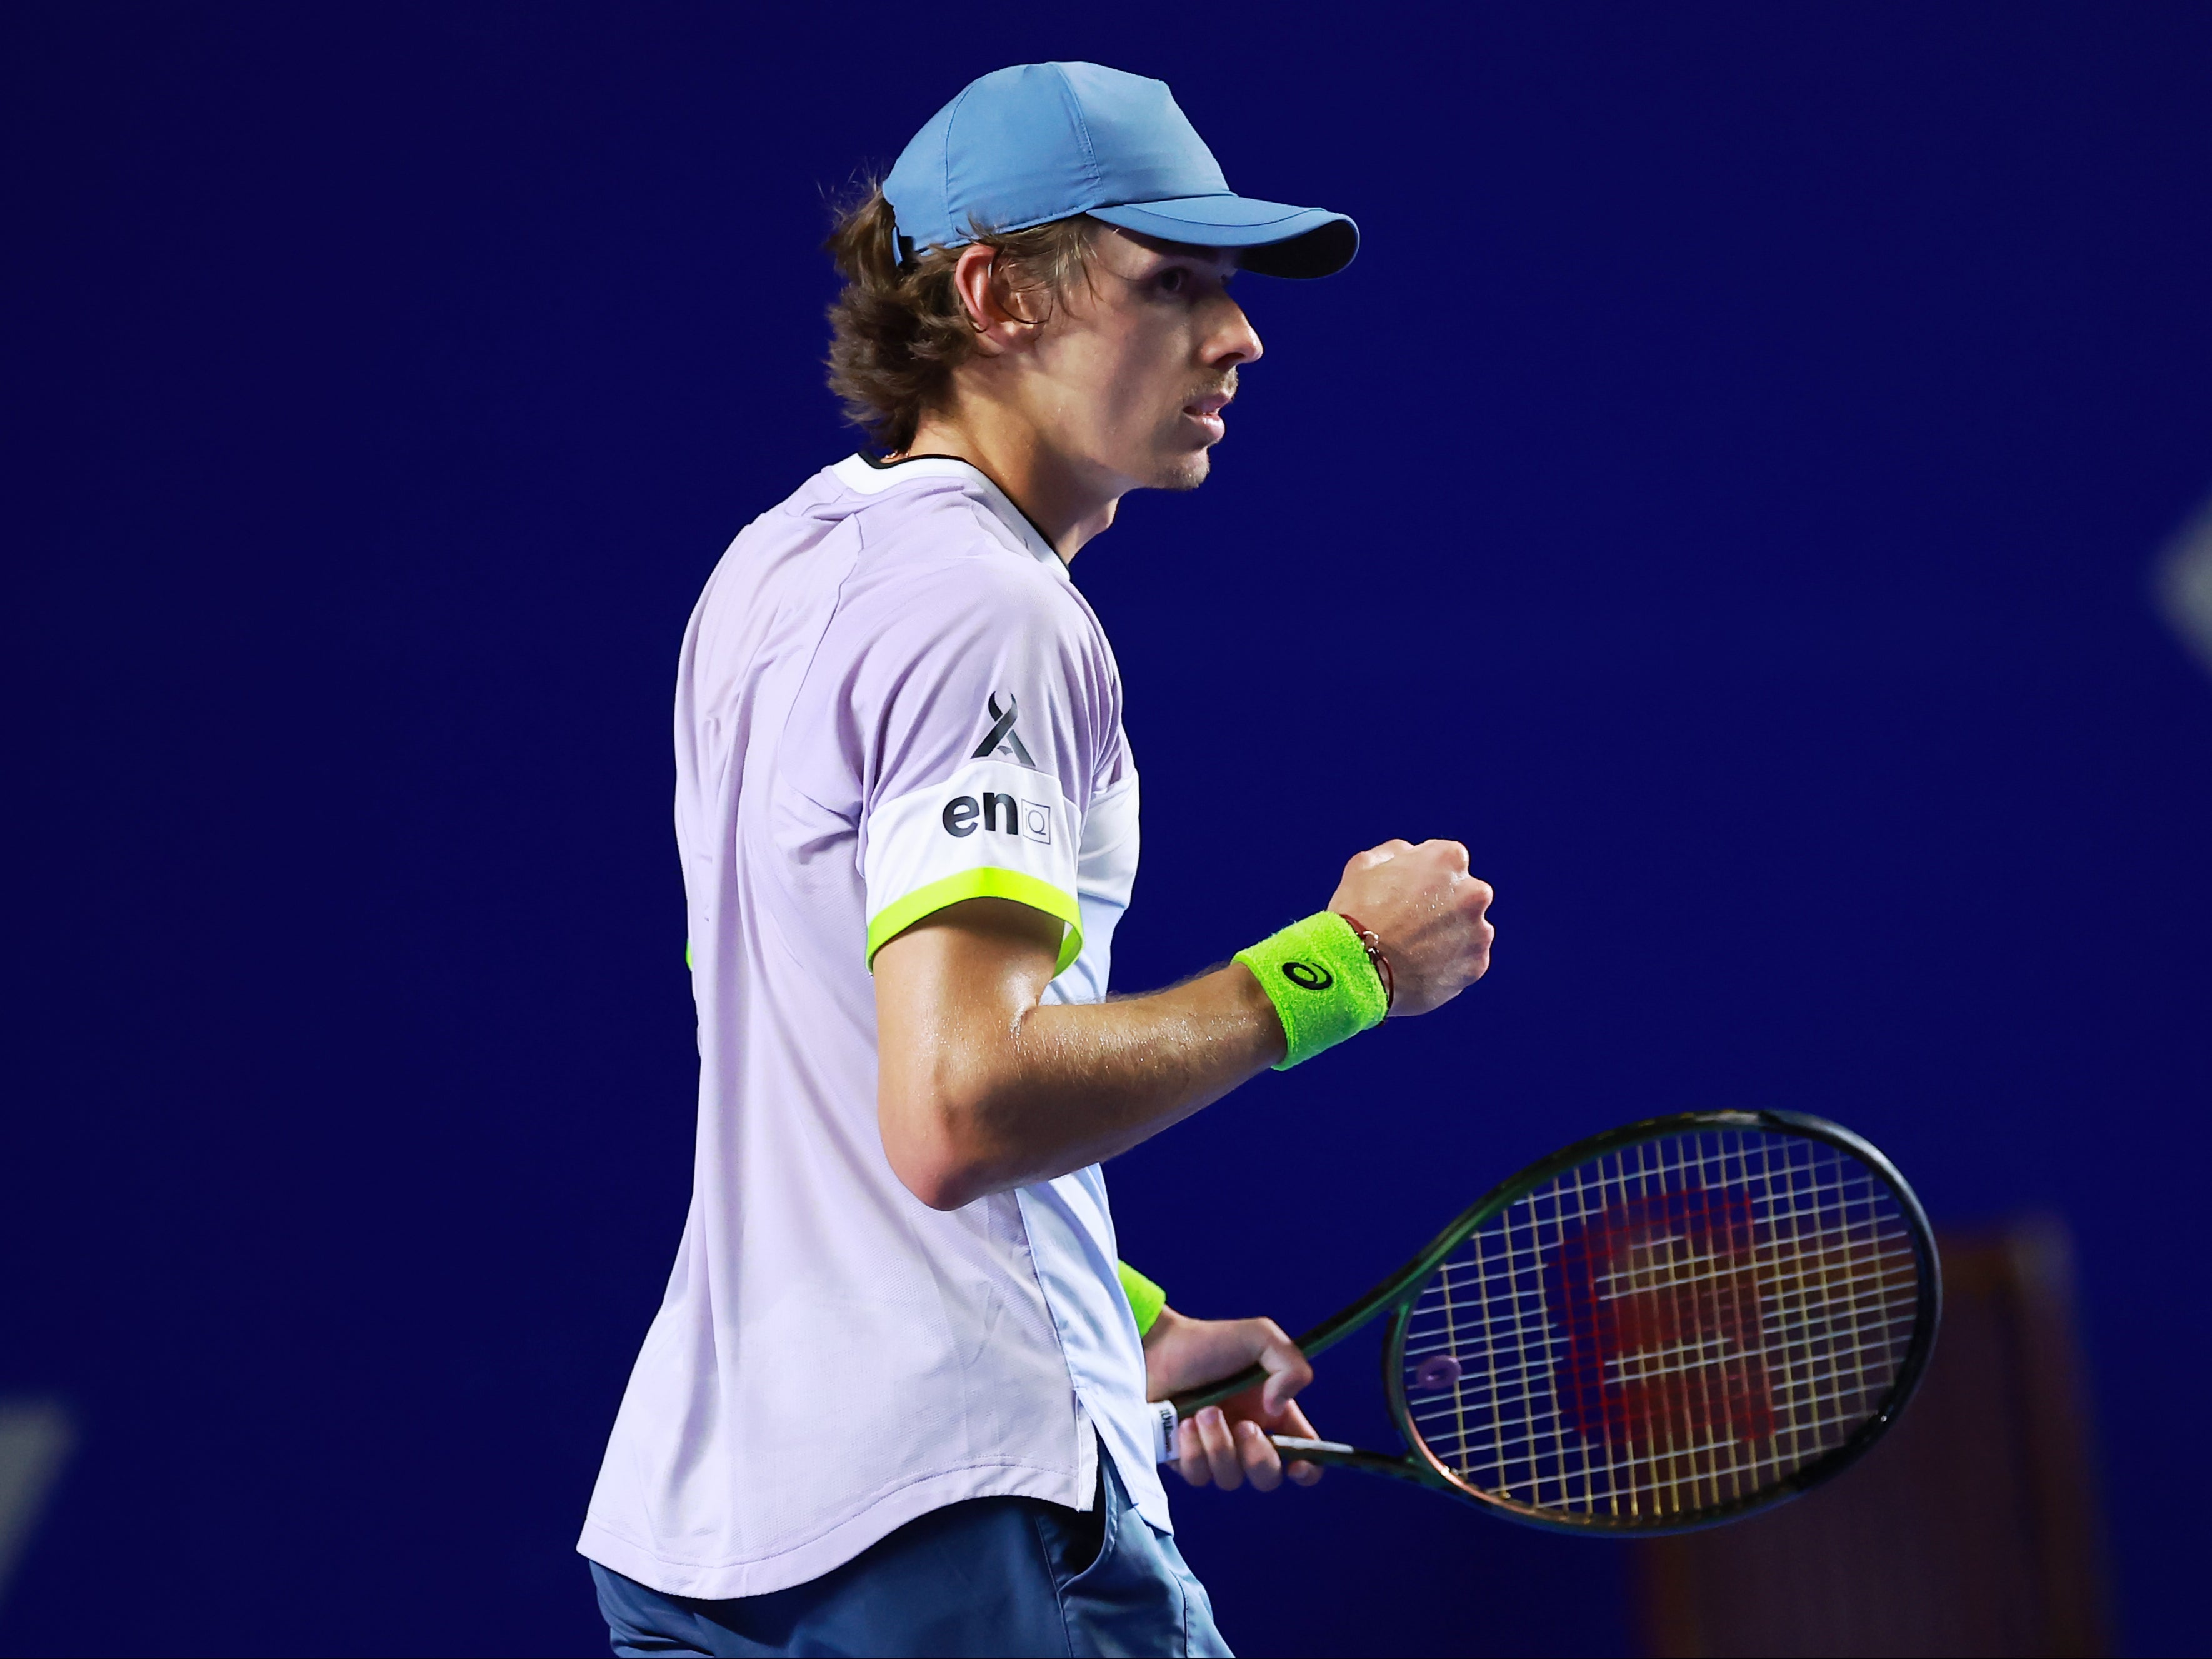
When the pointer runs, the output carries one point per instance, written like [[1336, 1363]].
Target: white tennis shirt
[[891, 698]]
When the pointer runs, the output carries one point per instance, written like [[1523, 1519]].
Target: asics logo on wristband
[[1325, 960], [1002, 739]]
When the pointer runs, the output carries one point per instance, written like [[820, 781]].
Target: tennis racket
[[1660, 1329]]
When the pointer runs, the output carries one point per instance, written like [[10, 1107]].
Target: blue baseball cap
[[1040, 142]]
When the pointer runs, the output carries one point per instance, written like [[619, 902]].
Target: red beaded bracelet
[[1382, 962]]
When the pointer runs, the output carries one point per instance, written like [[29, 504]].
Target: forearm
[[1058, 1086], [1083, 1082], [982, 1086]]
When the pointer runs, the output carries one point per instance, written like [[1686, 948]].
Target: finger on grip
[[1218, 1444], [1263, 1468], [1288, 1374]]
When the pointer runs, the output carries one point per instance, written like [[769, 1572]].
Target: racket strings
[[1667, 1329]]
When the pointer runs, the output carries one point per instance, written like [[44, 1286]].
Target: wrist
[[1371, 942], [1165, 1324], [1326, 980]]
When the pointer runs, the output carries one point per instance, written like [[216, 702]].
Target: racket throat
[[1336, 1453]]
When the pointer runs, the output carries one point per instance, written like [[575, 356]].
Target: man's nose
[[1234, 340]]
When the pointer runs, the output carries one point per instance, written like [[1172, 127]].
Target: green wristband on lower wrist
[[1317, 974], [1146, 1298]]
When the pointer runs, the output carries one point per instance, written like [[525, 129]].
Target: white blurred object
[[2183, 582], [36, 1438]]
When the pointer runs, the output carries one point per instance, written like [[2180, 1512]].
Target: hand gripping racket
[[1660, 1329]]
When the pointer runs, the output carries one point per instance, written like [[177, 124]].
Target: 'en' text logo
[[1000, 814]]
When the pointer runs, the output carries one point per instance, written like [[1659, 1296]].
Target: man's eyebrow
[[1224, 262]]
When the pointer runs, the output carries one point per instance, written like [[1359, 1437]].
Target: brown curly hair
[[897, 332]]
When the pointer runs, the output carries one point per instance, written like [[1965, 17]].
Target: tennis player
[[899, 1397]]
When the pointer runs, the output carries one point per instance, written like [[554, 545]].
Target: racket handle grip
[[1296, 1449], [1313, 1451], [1327, 1335], [1190, 1405]]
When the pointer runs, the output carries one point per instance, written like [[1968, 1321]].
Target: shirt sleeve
[[987, 734]]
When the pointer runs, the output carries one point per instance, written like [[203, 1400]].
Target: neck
[[1069, 502]]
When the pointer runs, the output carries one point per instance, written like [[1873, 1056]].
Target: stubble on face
[[1187, 473], [1141, 359], [1183, 468]]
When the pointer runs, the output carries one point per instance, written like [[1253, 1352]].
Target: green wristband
[[1317, 974], [1146, 1298]]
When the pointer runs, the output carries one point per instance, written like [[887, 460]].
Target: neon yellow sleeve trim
[[1146, 1298], [989, 882]]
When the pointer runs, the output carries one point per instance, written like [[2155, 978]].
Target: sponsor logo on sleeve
[[1002, 739], [996, 813]]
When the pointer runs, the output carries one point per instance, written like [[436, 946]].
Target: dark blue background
[[1721, 494]]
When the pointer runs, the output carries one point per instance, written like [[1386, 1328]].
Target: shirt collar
[[867, 477]]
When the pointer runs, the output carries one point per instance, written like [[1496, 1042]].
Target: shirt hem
[[830, 1550]]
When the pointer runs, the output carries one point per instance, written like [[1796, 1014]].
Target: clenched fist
[[1431, 915]]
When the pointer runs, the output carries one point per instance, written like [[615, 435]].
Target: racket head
[[1668, 1326]]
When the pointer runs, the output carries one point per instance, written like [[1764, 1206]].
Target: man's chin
[[1185, 471]]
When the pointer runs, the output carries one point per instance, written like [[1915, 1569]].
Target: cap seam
[[1091, 179], [945, 178]]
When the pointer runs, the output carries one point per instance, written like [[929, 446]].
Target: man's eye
[[1173, 281]]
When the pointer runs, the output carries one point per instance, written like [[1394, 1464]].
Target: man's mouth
[[1206, 411]]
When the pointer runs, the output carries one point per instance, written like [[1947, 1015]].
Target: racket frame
[[1398, 1293]]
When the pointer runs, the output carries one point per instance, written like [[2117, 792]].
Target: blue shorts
[[1013, 1575]]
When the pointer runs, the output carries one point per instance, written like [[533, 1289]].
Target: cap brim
[[1275, 239]]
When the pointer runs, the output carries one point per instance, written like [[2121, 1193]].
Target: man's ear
[[993, 309]]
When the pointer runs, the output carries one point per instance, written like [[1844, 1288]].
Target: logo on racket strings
[[1661, 1301], [1307, 977]]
